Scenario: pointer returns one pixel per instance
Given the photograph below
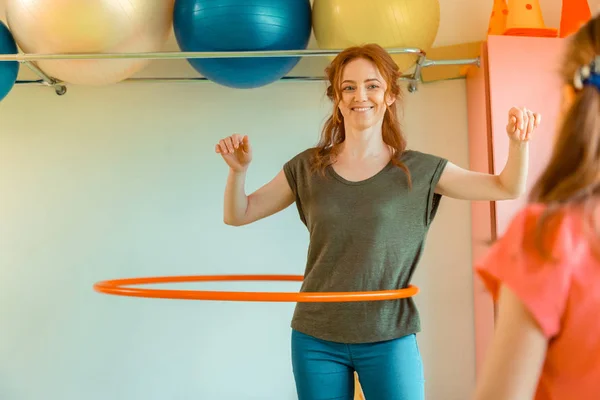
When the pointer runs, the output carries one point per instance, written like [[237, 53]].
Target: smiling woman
[[368, 203], [359, 79]]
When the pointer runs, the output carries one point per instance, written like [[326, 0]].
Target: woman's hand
[[521, 124], [236, 151]]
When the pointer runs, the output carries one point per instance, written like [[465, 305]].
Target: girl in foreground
[[545, 271]]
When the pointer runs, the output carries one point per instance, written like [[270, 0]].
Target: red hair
[[333, 133]]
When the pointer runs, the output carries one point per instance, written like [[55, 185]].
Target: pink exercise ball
[[90, 26]]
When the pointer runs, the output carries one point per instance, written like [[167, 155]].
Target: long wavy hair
[[333, 133], [571, 178]]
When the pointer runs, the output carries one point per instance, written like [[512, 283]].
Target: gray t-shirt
[[364, 236]]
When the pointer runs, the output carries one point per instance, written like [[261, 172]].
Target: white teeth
[[362, 108]]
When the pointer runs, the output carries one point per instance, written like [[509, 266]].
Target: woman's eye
[[369, 87]]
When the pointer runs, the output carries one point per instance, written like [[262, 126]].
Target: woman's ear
[[390, 99]]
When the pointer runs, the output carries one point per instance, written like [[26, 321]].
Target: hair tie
[[588, 75]]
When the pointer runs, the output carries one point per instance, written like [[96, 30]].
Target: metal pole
[[467, 61], [21, 57], [61, 88]]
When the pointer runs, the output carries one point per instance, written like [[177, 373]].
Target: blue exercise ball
[[8, 69], [242, 25]]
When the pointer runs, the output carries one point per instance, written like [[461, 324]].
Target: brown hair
[[333, 133], [571, 177]]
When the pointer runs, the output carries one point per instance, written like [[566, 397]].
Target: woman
[[545, 271], [368, 203]]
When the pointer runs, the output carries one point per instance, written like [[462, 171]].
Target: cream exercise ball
[[90, 26], [338, 24]]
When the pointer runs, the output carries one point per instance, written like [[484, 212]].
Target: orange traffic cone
[[497, 24], [575, 13], [525, 19]]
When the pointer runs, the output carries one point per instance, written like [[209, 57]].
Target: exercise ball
[[84, 26], [8, 69], [338, 24], [242, 25]]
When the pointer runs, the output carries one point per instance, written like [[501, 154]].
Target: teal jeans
[[388, 370]]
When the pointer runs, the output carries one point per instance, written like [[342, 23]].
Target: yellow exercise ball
[[90, 26], [338, 24]]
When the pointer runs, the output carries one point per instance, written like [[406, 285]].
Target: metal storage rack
[[60, 87]]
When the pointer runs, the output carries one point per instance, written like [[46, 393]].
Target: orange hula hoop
[[117, 287]]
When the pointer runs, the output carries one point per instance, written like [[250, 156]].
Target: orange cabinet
[[514, 71]]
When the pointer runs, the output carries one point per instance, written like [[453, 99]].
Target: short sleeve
[[290, 170], [433, 198], [296, 173], [541, 283]]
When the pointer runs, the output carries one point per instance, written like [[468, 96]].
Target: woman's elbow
[[516, 193], [227, 220], [512, 192], [235, 221]]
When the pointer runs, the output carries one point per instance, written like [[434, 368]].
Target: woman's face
[[363, 100]]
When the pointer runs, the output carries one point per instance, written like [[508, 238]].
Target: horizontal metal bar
[[466, 61], [61, 89], [191, 80], [23, 57], [29, 82], [203, 79]]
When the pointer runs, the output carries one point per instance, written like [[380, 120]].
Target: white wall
[[123, 181]]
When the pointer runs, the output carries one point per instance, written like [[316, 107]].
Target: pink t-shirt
[[562, 296]]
